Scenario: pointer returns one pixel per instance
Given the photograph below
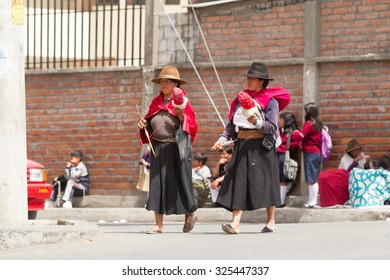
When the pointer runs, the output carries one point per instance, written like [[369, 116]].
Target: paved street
[[354, 250], [366, 240]]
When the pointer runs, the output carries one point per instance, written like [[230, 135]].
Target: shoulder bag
[[183, 140], [290, 166]]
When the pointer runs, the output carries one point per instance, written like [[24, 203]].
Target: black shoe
[[281, 206]]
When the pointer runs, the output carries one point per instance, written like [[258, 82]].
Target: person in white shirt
[[219, 172], [78, 178], [201, 173], [354, 157]]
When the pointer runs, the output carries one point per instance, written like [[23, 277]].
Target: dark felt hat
[[259, 70], [353, 145]]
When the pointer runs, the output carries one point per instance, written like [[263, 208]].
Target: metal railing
[[84, 33]]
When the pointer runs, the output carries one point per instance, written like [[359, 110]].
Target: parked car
[[37, 188]]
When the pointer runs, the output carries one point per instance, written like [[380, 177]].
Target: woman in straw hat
[[171, 190], [354, 157], [252, 178]]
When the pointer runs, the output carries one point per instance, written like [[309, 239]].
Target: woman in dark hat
[[171, 190], [252, 178], [354, 157]]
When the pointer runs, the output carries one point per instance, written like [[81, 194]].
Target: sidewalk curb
[[43, 232], [209, 215]]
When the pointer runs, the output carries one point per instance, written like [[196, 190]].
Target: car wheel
[[32, 215]]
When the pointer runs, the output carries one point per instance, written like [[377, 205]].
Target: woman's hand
[[217, 146], [196, 169], [359, 157], [214, 184], [252, 119], [141, 123], [180, 113]]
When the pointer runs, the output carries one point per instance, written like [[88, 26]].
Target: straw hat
[[259, 70], [169, 72], [353, 145]]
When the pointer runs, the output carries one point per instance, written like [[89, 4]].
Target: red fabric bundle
[[178, 96], [333, 187], [245, 100]]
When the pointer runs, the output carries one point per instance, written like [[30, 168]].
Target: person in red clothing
[[287, 125], [251, 181], [333, 183], [310, 139], [170, 189]]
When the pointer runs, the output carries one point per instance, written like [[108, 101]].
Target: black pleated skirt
[[170, 190], [252, 179]]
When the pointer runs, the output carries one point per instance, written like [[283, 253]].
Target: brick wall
[[355, 102], [252, 32], [93, 112], [353, 89], [358, 28], [96, 111]]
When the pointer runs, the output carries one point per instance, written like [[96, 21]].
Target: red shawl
[[263, 97], [189, 124]]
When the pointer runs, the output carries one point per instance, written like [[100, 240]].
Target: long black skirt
[[171, 190], [252, 179]]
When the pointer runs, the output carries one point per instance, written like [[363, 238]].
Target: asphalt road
[[337, 250], [303, 241]]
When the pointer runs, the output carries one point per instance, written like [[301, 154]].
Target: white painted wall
[[13, 180]]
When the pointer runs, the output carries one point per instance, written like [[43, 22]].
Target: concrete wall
[[335, 53]]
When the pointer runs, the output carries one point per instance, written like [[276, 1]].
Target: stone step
[[110, 201]]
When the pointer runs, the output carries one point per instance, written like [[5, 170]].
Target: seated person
[[370, 187], [144, 176], [219, 172], [354, 157], [333, 183], [75, 181], [384, 162], [201, 178]]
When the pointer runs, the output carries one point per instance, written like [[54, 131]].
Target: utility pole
[[13, 155]]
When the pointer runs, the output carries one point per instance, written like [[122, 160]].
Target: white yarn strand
[[193, 65], [208, 51]]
